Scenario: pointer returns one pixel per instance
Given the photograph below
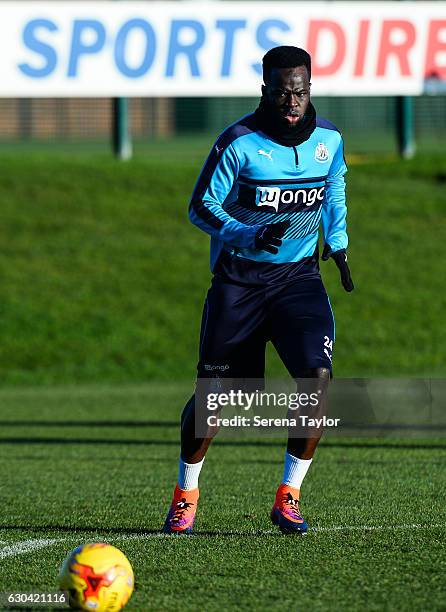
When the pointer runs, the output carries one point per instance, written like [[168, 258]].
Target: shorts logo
[[273, 196], [321, 153], [210, 368]]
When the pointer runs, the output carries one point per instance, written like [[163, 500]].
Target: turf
[[98, 463], [103, 277], [103, 281]]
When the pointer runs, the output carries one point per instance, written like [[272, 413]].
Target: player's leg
[[232, 346], [181, 515], [303, 334], [304, 447]]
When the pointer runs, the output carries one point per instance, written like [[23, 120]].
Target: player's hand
[[340, 259], [268, 238]]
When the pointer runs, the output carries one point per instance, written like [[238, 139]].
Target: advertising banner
[[215, 48]]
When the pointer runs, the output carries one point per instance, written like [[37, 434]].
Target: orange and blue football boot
[[181, 516], [285, 513]]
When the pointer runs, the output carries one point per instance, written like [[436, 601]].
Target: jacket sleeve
[[334, 209], [218, 177]]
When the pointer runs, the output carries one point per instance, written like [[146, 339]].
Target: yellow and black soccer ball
[[97, 577]]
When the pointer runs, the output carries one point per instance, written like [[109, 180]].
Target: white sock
[[294, 470], [188, 474]]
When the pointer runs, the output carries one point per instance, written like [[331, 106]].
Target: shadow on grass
[[70, 529], [410, 445], [23, 423], [130, 531]]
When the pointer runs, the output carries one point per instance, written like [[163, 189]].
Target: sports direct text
[[109, 49]]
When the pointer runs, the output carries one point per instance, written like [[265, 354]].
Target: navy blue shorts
[[239, 320]]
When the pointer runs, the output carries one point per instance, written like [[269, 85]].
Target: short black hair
[[285, 57]]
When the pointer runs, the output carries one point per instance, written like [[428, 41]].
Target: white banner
[[216, 48]]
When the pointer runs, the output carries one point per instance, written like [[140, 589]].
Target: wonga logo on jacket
[[289, 198], [268, 196]]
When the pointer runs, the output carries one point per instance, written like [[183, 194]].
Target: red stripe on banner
[[400, 50], [315, 29], [435, 45], [363, 34]]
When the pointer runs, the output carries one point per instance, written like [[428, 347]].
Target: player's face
[[288, 94]]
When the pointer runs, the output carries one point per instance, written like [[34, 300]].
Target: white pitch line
[[27, 546], [375, 527]]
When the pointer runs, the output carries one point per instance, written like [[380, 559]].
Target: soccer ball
[[98, 577]]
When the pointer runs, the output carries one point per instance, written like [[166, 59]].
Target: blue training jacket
[[249, 179]]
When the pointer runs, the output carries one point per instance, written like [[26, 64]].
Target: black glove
[[340, 259], [268, 237]]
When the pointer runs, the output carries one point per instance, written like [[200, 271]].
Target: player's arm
[[334, 213], [217, 179]]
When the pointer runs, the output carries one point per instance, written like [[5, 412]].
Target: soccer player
[[268, 183]]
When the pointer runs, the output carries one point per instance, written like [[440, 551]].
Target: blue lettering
[[229, 27], [48, 53], [263, 39], [79, 48], [190, 50], [120, 47]]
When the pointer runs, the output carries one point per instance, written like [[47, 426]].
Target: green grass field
[[97, 463], [103, 277], [102, 285]]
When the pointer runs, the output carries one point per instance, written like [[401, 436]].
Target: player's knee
[[320, 378], [321, 373]]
